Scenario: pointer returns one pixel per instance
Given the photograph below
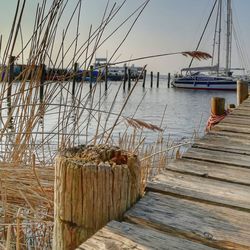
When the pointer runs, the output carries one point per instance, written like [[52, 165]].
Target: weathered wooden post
[[129, 79], [91, 77], [158, 79], [217, 106], [144, 78], [74, 79], [10, 80], [151, 79], [125, 77], [93, 185], [169, 80], [42, 80], [242, 91], [106, 78], [231, 106]]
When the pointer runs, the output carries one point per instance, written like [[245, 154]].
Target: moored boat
[[217, 77], [204, 82]]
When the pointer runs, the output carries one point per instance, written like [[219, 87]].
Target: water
[[187, 111], [68, 121]]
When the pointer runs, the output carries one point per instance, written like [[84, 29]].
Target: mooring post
[[129, 79], [217, 106], [151, 79], [242, 91], [169, 79], [74, 79], [10, 80], [42, 80], [93, 185], [125, 77], [144, 78], [158, 79], [106, 78], [91, 77]]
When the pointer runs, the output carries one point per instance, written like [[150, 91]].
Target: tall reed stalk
[[35, 124]]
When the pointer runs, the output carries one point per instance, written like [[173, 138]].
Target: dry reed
[[35, 125]]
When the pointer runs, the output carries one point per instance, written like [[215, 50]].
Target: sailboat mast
[[219, 35], [229, 36]]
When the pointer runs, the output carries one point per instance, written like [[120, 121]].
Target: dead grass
[[35, 127]]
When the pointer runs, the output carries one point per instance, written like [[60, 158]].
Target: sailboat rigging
[[218, 78]]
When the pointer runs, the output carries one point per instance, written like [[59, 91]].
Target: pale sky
[[164, 26]]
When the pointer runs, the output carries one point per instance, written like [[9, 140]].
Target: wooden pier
[[201, 201]]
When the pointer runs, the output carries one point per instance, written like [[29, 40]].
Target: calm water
[[187, 111]]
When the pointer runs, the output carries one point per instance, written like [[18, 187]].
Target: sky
[[165, 26]]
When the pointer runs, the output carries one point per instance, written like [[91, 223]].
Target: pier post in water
[[106, 78], [144, 78], [91, 77], [42, 80], [158, 79], [129, 79], [93, 185], [169, 79], [74, 79], [151, 79], [10, 80], [125, 77], [217, 106], [242, 91]]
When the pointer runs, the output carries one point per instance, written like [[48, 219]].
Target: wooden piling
[[151, 79], [106, 78], [74, 79], [231, 106], [10, 80], [158, 79], [125, 77], [242, 91], [93, 185], [42, 80], [169, 80], [217, 106], [144, 78], [129, 79], [91, 77]]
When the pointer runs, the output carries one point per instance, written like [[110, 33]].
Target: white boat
[[205, 82], [217, 78], [117, 73]]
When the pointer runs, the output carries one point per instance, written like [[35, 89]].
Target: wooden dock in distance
[[201, 201]]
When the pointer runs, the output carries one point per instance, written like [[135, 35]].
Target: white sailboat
[[218, 78]]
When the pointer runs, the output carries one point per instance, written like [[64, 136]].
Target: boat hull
[[205, 85]]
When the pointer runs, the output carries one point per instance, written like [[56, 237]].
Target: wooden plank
[[241, 112], [199, 188], [214, 226], [223, 144], [228, 127], [245, 104], [211, 170], [235, 120], [238, 116], [231, 134], [247, 108], [247, 100], [235, 115], [125, 236], [228, 135], [218, 157]]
